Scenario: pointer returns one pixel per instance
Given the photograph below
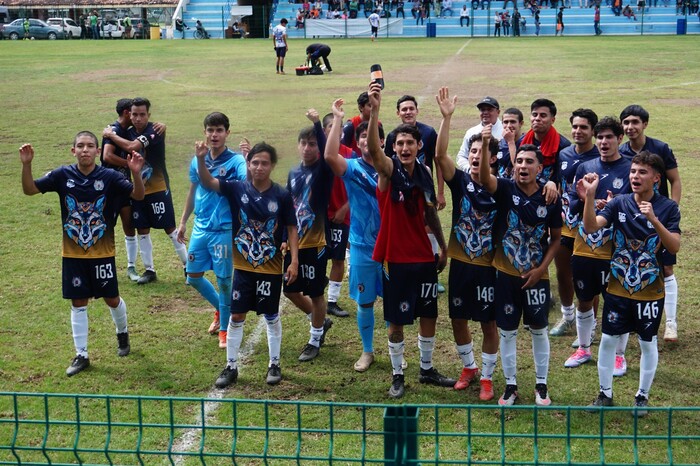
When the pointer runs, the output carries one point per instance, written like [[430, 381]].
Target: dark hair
[[216, 119], [263, 147], [362, 99], [544, 103], [327, 120], [515, 111], [406, 98], [307, 133], [652, 160], [123, 105], [85, 133], [586, 113], [141, 101], [362, 127], [531, 148], [408, 129], [610, 123], [493, 143], [635, 110], [284, 21]]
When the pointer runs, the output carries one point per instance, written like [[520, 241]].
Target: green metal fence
[[63, 429]]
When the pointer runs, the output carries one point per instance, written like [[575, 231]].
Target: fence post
[[401, 434]]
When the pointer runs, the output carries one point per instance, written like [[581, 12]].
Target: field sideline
[[53, 89]]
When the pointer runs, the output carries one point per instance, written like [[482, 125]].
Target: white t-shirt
[[463, 154], [374, 20], [279, 32]]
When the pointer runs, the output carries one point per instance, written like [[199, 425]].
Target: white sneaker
[[580, 356], [620, 366], [364, 362], [563, 327], [671, 333]]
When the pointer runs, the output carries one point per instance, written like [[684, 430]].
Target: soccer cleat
[[671, 332], [123, 347], [440, 288], [541, 395], [600, 402], [397, 386], [78, 364], [215, 325], [563, 327], [335, 310], [223, 334], [327, 324], [132, 274], [308, 353], [509, 396], [466, 377], [274, 375], [486, 392], [364, 362], [620, 366], [147, 277], [227, 377], [580, 356], [433, 377], [640, 406]]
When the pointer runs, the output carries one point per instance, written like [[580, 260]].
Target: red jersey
[[338, 194]]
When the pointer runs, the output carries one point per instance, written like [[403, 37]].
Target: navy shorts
[[155, 211], [311, 279], [336, 240], [568, 243], [513, 302], [590, 276], [667, 258], [89, 278], [281, 51], [410, 292], [259, 292], [624, 315], [472, 290]]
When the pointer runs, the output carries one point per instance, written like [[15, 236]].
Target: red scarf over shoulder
[[549, 146]]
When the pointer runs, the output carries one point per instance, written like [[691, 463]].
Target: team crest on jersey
[[222, 171], [70, 183], [564, 165], [508, 309], [361, 287], [255, 239], [77, 282], [579, 284], [516, 200], [541, 211], [470, 187], [235, 295], [99, 185], [403, 307], [634, 262], [622, 217], [244, 199], [473, 230], [613, 317], [521, 243], [649, 225], [457, 301], [190, 257], [85, 223], [617, 183], [272, 207]]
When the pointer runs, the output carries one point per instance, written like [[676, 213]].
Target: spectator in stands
[[415, 9], [399, 9], [596, 21], [426, 8], [640, 6], [447, 6], [497, 24], [617, 7], [420, 16], [463, 16], [438, 8], [485, 4], [516, 22], [475, 4], [537, 22], [628, 13], [505, 20], [354, 8], [300, 19]]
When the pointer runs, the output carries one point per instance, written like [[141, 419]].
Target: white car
[[69, 27], [113, 28]]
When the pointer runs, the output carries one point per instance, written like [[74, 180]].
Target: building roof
[[99, 4]]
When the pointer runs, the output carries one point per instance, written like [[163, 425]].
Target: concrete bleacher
[[209, 12]]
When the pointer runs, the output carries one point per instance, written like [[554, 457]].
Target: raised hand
[[337, 108], [135, 162], [312, 114], [200, 149], [26, 153], [447, 105]]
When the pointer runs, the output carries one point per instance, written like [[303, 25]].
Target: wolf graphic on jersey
[[85, 223], [634, 262], [255, 239], [473, 230], [596, 239], [521, 243], [304, 213]]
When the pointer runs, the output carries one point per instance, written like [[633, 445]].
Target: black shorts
[[513, 302], [590, 276], [667, 258], [259, 292], [155, 211], [472, 292], [375, 30], [410, 292], [568, 243], [336, 240], [624, 315], [89, 278], [281, 51], [311, 279]]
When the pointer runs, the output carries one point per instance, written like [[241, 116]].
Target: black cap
[[490, 101]]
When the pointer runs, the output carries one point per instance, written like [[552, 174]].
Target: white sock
[[274, 337], [568, 312], [606, 362], [671, 300], [433, 243], [466, 354], [234, 338], [585, 323], [146, 248], [79, 324], [180, 249], [540, 353], [488, 365], [316, 334], [396, 357], [426, 346], [119, 316], [622, 344], [647, 365], [509, 353], [333, 291], [132, 250]]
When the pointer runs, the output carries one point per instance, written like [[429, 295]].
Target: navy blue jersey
[[549, 172], [503, 162], [122, 132], [569, 161], [311, 187], [428, 137], [659, 148], [154, 173]]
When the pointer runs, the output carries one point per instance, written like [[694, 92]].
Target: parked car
[[69, 27], [37, 29], [140, 28], [112, 28]]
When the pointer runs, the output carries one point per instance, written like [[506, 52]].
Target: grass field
[[52, 90]]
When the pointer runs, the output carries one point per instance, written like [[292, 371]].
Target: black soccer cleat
[[433, 377], [274, 375], [308, 353], [123, 347], [335, 310], [397, 388], [78, 364], [227, 377], [147, 277]]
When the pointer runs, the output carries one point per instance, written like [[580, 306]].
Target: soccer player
[[590, 262], [582, 120], [310, 184], [471, 248], [264, 209], [91, 197], [156, 209], [643, 223], [279, 39], [530, 230], [513, 121], [210, 245], [635, 120], [374, 24], [406, 198], [351, 125], [360, 180]]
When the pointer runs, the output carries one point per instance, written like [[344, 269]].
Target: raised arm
[[447, 107], [208, 181], [382, 163], [135, 163], [486, 178], [334, 160], [588, 185], [26, 155], [111, 158]]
